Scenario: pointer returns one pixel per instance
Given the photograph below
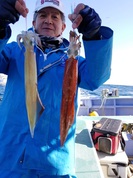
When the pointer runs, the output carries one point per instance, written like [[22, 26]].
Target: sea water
[[124, 90]]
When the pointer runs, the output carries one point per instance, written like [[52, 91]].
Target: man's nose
[[48, 20]]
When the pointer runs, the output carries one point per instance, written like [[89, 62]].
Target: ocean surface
[[123, 90]]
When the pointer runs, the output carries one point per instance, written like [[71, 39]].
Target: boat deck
[[87, 163], [87, 160]]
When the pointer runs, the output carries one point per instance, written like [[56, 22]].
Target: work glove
[[8, 13], [90, 24]]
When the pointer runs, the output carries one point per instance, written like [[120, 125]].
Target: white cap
[[40, 4]]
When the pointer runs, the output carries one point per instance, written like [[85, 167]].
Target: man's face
[[49, 22]]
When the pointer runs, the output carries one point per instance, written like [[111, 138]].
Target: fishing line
[[72, 12], [74, 30], [25, 19]]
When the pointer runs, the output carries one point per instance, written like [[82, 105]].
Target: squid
[[34, 105], [69, 87]]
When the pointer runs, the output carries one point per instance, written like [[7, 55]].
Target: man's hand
[[10, 10], [86, 20], [20, 6], [76, 18]]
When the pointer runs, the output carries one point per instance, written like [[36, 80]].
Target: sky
[[116, 14]]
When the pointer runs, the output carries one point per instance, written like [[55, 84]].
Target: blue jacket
[[43, 152]]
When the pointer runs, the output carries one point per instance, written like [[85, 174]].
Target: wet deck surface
[[87, 163]]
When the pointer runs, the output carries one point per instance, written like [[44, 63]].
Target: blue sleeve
[[4, 41], [3, 51], [95, 69]]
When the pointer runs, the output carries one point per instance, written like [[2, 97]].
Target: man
[[43, 156]]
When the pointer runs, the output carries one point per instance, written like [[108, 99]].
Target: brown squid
[[69, 87]]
